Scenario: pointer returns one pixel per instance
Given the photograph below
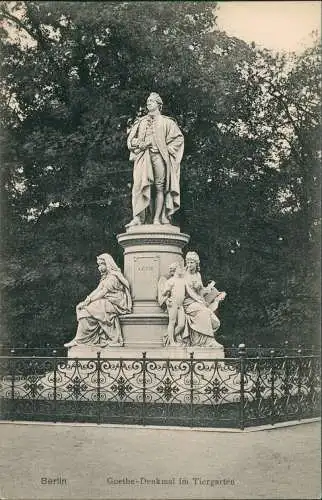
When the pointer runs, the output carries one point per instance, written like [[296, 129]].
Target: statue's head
[[179, 269], [154, 101], [106, 261], [172, 268], [192, 261], [175, 267]]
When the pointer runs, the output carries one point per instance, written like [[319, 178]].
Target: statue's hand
[[143, 145], [169, 302], [211, 285], [136, 146]]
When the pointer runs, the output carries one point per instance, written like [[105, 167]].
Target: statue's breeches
[[159, 170]]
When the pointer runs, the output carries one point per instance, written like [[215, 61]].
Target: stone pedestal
[[148, 252]]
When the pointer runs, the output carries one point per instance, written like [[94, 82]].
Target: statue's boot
[[157, 222], [134, 222]]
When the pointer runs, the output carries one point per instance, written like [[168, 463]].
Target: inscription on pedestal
[[146, 275]]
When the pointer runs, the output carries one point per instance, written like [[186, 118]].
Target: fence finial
[[242, 350]]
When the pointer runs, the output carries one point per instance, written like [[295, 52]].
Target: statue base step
[[144, 330], [169, 352]]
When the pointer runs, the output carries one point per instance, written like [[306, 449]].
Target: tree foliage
[[74, 77]]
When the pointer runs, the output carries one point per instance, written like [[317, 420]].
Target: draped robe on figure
[[98, 322], [169, 141], [202, 321]]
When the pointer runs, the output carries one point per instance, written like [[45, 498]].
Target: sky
[[276, 25]]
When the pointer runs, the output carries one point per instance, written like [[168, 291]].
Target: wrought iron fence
[[232, 392], [231, 351]]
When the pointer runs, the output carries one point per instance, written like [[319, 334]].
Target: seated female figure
[[98, 315], [200, 312]]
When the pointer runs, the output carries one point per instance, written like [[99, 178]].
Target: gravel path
[[92, 462]]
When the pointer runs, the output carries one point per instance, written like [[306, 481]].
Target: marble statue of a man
[[156, 148]]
